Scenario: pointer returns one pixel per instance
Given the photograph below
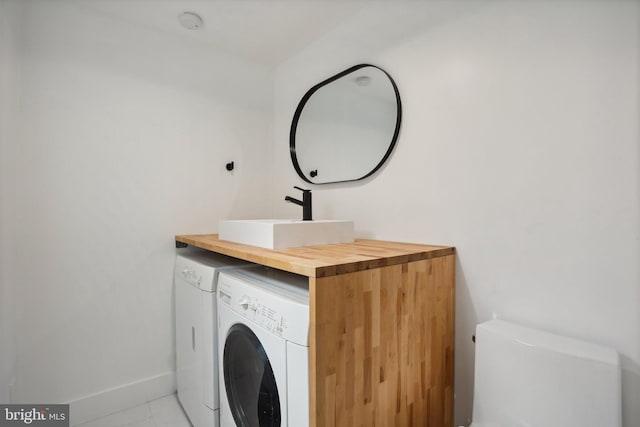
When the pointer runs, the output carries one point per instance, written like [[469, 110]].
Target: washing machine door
[[250, 384]]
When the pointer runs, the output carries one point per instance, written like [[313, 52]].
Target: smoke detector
[[190, 20]]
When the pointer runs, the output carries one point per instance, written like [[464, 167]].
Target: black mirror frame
[[305, 98]]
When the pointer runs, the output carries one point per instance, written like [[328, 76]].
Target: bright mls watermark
[[34, 415]]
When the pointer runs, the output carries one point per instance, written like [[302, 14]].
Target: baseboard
[[123, 397]]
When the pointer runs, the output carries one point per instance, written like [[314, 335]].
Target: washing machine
[[195, 277], [263, 345]]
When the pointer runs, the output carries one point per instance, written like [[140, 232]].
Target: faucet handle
[[301, 189]]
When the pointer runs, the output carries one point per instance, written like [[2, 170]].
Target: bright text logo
[[35, 415]]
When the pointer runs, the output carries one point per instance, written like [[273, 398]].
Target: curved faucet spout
[[292, 200]]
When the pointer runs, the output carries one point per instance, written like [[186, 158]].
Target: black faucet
[[305, 203]]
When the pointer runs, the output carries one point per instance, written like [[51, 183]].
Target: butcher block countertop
[[324, 260]]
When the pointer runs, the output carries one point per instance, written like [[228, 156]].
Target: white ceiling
[[266, 31]]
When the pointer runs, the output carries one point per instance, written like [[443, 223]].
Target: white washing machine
[[263, 327], [195, 277]]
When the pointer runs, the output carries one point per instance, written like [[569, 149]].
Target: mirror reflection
[[345, 127]]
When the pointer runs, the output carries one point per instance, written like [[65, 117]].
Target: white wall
[[9, 97], [519, 145], [125, 136]]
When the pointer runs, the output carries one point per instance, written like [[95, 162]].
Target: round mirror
[[345, 127]]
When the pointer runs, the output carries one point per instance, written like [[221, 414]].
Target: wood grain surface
[[325, 260], [382, 346]]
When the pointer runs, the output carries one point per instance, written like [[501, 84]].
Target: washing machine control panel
[[282, 309], [262, 314]]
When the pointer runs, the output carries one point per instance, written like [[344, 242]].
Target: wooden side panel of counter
[[382, 346]]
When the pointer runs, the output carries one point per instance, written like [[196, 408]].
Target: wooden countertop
[[325, 260]]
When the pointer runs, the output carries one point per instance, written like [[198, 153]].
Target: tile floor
[[163, 412]]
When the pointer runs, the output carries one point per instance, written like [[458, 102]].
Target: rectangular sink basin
[[286, 233]]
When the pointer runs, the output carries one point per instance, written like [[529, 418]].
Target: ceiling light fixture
[[190, 20], [363, 80]]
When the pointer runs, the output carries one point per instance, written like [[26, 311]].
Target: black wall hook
[[230, 166]]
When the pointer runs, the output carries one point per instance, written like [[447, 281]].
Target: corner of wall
[[109, 401]]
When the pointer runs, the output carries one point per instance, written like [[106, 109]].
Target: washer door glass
[[249, 380]]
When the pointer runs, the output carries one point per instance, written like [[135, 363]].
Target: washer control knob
[[244, 303]]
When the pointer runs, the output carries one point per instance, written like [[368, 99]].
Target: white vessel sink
[[285, 233]]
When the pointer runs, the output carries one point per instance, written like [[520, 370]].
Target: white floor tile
[[145, 423], [122, 418], [173, 423], [163, 412], [166, 407]]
